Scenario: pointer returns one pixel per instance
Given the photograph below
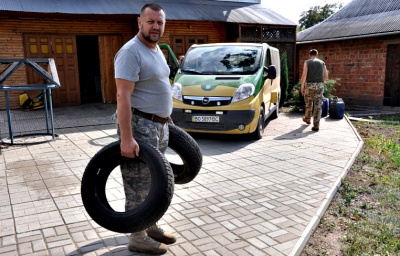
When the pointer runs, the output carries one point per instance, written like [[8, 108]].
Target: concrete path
[[251, 197]]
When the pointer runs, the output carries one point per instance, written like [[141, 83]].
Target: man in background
[[312, 87]]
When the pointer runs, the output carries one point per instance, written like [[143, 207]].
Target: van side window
[[276, 61], [268, 60]]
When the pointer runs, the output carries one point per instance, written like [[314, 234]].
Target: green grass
[[389, 118], [395, 118], [370, 199]]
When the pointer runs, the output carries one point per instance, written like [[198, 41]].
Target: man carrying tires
[[144, 104]]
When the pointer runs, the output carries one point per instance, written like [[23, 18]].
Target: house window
[[180, 44]]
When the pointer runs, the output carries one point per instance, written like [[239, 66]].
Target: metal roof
[[226, 11], [358, 19]]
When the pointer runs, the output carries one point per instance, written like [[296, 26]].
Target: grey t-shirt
[[149, 70]]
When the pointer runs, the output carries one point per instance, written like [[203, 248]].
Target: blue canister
[[336, 108], [325, 107]]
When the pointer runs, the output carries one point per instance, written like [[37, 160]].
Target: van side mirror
[[270, 72], [172, 72]]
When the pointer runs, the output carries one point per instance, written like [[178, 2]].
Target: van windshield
[[222, 59]]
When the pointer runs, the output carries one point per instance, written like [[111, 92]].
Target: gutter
[[348, 38]]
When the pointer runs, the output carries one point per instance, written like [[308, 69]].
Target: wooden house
[[360, 44], [84, 36]]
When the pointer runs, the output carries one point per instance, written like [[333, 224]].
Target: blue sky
[[292, 9]]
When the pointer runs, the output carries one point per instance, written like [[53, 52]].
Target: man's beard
[[149, 39]]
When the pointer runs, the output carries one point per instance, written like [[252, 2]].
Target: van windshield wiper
[[191, 71]]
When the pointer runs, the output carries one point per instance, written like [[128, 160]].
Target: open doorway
[[89, 68], [392, 78]]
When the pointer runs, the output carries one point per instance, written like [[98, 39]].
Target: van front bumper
[[229, 121]]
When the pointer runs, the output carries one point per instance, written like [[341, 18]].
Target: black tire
[[93, 189], [259, 132], [188, 150]]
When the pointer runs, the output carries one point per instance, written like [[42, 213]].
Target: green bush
[[297, 99], [329, 87]]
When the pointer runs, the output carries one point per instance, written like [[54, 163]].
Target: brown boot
[[140, 242], [307, 121], [160, 235], [315, 128]]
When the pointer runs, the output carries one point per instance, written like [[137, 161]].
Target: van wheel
[[188, 150], [259, 132], [93, 189]]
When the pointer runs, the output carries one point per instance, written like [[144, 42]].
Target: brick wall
[[360, 64]]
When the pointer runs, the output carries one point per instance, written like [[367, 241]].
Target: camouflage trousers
[[313, 96], [136, 176]]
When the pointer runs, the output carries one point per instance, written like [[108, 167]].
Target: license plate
[[205, 119]]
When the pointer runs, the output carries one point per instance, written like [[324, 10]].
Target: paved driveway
[[251, 197]]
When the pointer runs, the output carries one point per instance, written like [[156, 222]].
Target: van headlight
[[243, 92], [177, 91]]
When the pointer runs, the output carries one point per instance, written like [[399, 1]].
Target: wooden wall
[[11, 39], [216, 31]]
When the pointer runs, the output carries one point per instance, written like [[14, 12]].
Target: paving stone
[[250, 198]]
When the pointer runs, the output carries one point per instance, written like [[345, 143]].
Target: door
[[267, 83], [62, 48], [37, 46], [392, 77], [109, 46], [65, 57], [180, 44]]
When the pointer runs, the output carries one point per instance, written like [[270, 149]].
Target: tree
[[316, 14], [284, 79]]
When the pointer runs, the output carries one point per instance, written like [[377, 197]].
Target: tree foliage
[[284, 79], [316, 14]]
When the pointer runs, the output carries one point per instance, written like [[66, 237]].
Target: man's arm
[[129, 146], [325, 74], [304, 77]]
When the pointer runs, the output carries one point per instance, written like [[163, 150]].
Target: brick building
[[360, 44]]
